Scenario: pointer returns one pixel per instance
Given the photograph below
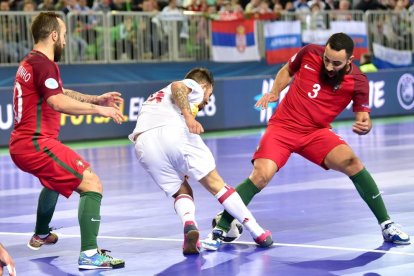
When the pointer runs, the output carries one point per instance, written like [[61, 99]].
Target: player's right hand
[[266, 99], [194, 126], [6, 261], [111, 112]]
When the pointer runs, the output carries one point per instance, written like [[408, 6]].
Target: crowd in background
[[86, 39], [233, 7]]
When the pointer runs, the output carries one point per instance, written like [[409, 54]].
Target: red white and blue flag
[[283, 40], [357, 30], [234, 41]]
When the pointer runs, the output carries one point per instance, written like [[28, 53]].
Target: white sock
[[233, 204], [385, 223], [185, 208], [43, 236], [90, 252]]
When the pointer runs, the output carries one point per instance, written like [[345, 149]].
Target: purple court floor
[[319, 223]]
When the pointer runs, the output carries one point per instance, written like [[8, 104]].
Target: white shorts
[[169, 153]]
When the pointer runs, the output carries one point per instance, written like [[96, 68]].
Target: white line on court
[[236, 242]]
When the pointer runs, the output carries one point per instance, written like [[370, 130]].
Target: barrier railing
[[391, 29]]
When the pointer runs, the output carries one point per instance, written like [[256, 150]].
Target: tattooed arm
[[65, 104], [112, 99], [81, 97], [180, 96]]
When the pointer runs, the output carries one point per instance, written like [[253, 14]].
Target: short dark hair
[[200, 75], [367, 58], [341, 41], [44, 24]]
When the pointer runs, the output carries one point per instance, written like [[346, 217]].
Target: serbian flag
[[283, 40], [234, 41], [357, 30]]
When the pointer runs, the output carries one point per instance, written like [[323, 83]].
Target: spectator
[[4, 5], [125, 37], [320, 3], [315, 20], [104, 6], [253, 6], [264, 7], [230, 12], [330, 5], [289, 7], [301, 6], [120, 5], [150, 35], [366, 65], [69, 5], [365, 5], [173, 14], [46, 5], [29, 6], [343, 13], [12, 48]]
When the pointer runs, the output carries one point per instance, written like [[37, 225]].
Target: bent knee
[[351, 161], [261, 176], [351, 165], [90, 182]]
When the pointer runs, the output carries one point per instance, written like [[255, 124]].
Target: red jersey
[[311, 104], [35, 122]]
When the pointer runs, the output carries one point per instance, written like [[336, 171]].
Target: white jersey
[[160, 110], [165, 148]]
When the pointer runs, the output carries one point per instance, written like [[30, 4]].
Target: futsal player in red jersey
[[38, 101], [325, 82]]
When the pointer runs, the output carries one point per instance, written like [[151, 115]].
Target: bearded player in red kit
[[38, 101], [325, 82]]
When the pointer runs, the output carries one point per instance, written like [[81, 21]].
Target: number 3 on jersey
[[315, 91], [157, 97]]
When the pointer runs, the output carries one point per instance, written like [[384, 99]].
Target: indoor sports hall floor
[[319, 223]]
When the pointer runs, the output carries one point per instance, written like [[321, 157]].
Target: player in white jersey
[[170, 149]]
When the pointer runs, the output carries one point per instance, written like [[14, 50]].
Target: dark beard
[[58, 49], [334, 81]]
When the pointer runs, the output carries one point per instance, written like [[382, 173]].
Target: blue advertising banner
[[231, 106]]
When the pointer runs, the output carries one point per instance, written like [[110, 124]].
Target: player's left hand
[[267, 98], [194, 126], [112, 99], [362, 123], [361, 127]]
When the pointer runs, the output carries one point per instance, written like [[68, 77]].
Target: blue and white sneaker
[[392, 233], [214, 240], [100, 260]]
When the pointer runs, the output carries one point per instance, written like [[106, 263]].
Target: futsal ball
[[236, 229]]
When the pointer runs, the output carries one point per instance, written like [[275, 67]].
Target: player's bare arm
[[80, 96], [362, 123], [282, 79], [112, 99], [68, 105], [6, 260], [180, 96]]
